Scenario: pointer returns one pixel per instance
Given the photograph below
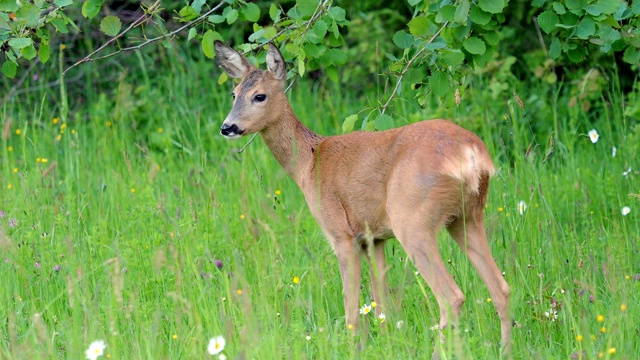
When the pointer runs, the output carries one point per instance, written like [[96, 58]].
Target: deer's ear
[[275, 62], [231, 61]]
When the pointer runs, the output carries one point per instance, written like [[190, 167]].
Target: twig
[[139, 21], [540, 38], [407, 66]]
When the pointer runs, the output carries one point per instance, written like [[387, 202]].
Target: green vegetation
[[126, 217], [114, 216]]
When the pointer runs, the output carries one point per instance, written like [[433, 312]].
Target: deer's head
[[259, 97]]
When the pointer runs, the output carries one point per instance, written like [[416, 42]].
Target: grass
[[116, 209]]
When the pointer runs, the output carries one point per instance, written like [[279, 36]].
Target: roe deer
[[405, 183]]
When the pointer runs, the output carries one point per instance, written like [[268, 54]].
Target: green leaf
[[251, 12], [313, 51], [91, 8], [491, 6], [402, 39], [9, 6], [414, 2], [334, 57], [30, 14], [301, 67], [338, 14], [474, 45], [453, 58], [9, 69], [320, 29], [197, 5], [29, 52], [306, 7], [439, 83], [419, 26], [44, 51], [448, 13], [349, 122], [462, 12], [60, 25], [631, 55], [547, 21], [555, 49], [609, 6], [383, 122], [63, 3], [576, 4], [593, 9], [414, 76], [257, 35], [274, 13], [332, 73], [188, 13], [559, 8], [192, 33], [207, 43], [478, 16], [222, 78], [19, 43], [334, 30], [609, 36], [586, 28], [491, 37], [232, 16], [217, 19], [110, 25]]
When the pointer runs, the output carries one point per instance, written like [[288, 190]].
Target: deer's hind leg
[[471, 236]]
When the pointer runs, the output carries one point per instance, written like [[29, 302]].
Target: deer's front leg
[[349, 254]]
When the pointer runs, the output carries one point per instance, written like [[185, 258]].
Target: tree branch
[[139, 21], [407, 66]]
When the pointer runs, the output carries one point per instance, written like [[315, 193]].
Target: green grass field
[[116, 206]]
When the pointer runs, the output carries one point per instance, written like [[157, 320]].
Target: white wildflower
[[216, 345], [95, 350], [522, 207], [365, 309]]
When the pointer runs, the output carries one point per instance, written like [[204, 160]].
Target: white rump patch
[[468, 166]]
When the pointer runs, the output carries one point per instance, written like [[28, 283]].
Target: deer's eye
[[233, 95], [260, 97]]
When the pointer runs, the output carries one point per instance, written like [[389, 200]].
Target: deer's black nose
[[230, 130]]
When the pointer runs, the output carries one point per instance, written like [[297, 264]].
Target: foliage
[[309, 29], [577, 27], [23, 27]]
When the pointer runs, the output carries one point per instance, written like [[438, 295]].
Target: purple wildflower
[[57, 268], [218, 264], [37, 265], [591, 298], [2, 214], [12, 223]]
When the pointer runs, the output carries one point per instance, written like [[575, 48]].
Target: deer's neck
[[292, 144]]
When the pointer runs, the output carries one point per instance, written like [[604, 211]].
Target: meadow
[[126, 217]]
